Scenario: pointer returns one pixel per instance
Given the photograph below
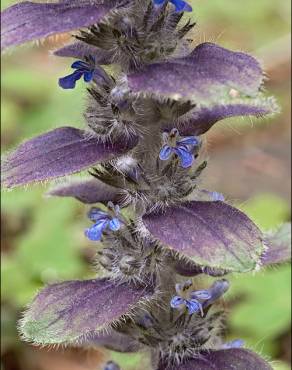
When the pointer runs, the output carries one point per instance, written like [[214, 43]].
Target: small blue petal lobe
[[69, 82], [189, 140], [82, 69], [165, 152], [193, 306], [159, 2], [237, 343], [88, 76], [181, 6], [217, 196], [79, 64], [94, 233], [201, 294], [177, 301], [114, 224], [96, 214], [185, 156]]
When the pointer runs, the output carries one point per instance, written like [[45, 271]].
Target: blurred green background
[[42, 239]]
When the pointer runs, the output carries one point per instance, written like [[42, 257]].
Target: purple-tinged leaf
[[207, 74], [80, 50], [28, 21], [202, 118], [229, 359], [212, 234], [68, 311], [88, 192], [57, 153], [278, 246], [112, 340], [189, 268]]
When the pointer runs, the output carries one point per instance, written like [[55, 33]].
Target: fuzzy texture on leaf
[[57, 153], [202, 118], [189, 268], [68, 311], [207, 73], [221, 83], [278, 246], [212, 234], [80, 50], [28, 21], [88, 192], [113, 341], [231, 359]]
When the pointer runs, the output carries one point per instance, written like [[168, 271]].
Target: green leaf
[[278, 245]]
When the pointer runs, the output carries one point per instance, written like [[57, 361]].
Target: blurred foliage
[[262, 301], [43, 238]]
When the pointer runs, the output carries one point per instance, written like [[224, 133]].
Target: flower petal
[[181, 6], [65, 312], [209, 72], [96, 214], [236, 343], [193, 306], [165, 152], [229, 359], [94, 233], [201, 294], [278, 246], [88, 76], [159, 2], [69, 82], [212, 234], [88, 192], [185, 156], [177, 301], [114, 224], [79, 64], [28, 21], [190, 140], [57, 153], [210, 195]]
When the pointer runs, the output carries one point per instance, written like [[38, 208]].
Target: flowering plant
[[157, 229]]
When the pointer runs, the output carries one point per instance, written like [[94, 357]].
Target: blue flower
[[85, 69], [214, 195], [217, 196], [236, 343], [180, 5], [183, 148], [102, 221], [193, 303]]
